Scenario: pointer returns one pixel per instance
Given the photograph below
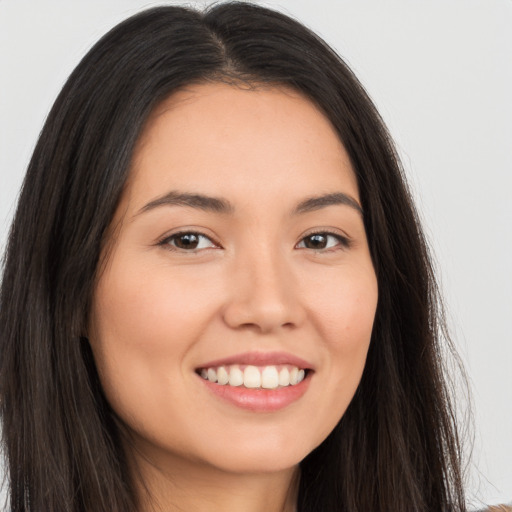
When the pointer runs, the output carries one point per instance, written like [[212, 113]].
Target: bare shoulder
[[499, 508]]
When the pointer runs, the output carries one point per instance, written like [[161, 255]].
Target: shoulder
[[498, 508]]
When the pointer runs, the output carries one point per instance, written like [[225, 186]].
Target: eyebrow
[[220, 205], [198, 201], [318, 202]]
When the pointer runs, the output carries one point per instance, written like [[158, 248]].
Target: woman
[[216, 291]]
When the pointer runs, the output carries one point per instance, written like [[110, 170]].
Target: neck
[[181, 484]]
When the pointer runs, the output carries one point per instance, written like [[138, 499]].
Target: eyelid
[[344, 240], [164, 240]]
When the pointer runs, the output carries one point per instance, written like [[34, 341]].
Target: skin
[[253, 285]]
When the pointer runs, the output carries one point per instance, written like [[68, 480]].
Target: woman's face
[[238, 264]]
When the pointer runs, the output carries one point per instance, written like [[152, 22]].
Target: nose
[[264, 295]]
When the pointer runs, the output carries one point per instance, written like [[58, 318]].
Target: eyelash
[[343, 241], [166, 242]]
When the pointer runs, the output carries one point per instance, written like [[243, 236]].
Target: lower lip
[[259, 400]]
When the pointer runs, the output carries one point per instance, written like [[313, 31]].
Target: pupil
[[316, 242], [187, 241]]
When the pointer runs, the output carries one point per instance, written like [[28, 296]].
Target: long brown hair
[[396, 448]]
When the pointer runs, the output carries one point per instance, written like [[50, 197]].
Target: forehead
[[216, 138]]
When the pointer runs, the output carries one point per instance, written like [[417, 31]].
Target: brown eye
[[322, 241], [188, 241], [317, 241]]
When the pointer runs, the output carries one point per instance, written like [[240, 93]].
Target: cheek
[[350, 338], [145, 322], [344, 304], [149, 309], [344, 312]]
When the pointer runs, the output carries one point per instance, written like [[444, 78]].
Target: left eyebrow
[[317, 202]]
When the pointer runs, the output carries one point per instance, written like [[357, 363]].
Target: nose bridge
[[263, 290]]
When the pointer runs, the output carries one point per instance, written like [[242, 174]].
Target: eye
[[187, 241], [323, 241]]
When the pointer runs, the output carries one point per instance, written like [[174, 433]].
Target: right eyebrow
[[198, 201]]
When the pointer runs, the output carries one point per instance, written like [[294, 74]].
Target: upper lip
[[260, 359]]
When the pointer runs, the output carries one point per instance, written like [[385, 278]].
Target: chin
[[264, 455]]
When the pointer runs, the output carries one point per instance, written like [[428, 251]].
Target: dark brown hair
[[395, 449]]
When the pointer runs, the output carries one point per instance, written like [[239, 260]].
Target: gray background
[[441, 75]]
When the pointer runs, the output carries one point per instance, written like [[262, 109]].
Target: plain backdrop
[[440, 73]]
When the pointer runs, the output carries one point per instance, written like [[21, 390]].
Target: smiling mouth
[[254, 377]]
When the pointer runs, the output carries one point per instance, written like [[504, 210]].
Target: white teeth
[[269, 378], [222, 376], [236, 377], [253, 377], [284, 377]]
